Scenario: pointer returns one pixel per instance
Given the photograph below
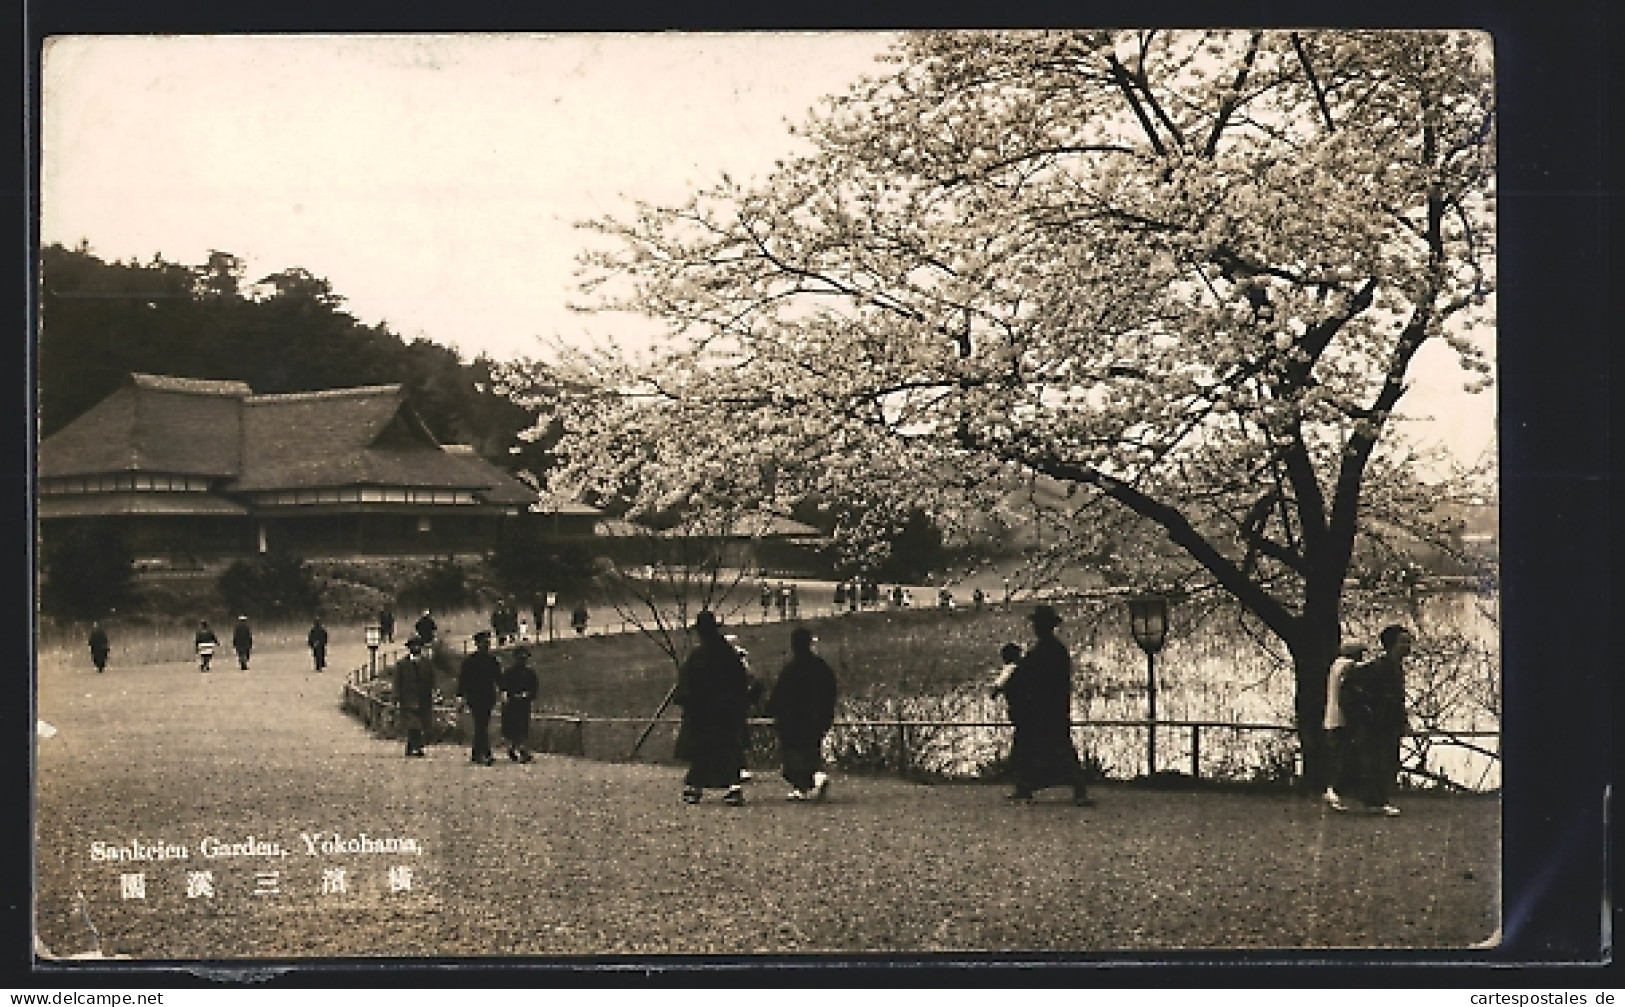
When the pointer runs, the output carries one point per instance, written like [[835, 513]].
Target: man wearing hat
[[1039, 694], [519, 686], [477, 683], [414, 691], [242, 641], [713, 689]]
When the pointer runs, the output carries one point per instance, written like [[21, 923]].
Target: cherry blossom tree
[[1183, 275]]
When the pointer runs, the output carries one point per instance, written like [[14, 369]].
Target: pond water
[[1215, 674]]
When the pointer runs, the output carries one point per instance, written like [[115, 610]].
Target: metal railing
[[381, 716]]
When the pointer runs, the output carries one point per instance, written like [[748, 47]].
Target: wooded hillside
[[286, 332]]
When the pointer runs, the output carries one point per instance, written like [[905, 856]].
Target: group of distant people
[[242, 642], [508, 626], [205, 642]]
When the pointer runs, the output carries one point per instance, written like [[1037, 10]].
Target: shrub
[[277, 584], [87, 572], [441, 586], [526, 567]]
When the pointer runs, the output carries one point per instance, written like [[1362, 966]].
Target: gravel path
[[569, 857]]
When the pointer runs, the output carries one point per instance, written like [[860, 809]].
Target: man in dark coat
[[714, 691], [1039, 694], [578, 619], [98, 647], [477, 684], [242, 641], [499, 621], [414, 691], [425, 629], [1373, 702], [205, 641], [317, 639], [802, 705], [519, 687], [386, 624]]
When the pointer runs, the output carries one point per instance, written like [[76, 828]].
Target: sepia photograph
[[767, 493]]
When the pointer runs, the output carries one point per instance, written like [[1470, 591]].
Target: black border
[[1555, 67]]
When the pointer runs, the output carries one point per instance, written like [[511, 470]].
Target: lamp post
[[1148, 621], [552, 600], [374, 636]]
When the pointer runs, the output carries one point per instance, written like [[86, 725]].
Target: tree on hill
[[1182, 274]]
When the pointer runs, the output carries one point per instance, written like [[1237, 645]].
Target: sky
[[436, 181]]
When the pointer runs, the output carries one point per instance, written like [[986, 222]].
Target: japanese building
[[209, 469]]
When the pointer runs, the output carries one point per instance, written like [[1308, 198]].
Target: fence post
[[1196, 751]]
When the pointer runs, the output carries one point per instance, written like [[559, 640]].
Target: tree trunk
[[1313, 649], [1310, 674]]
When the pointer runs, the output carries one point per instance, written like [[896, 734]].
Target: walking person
[[519, 687], [1039, 693], [714, 691], [477, 684], [242, 641], [414, 692], [802, 705], [1341, 776], [205, 641], [499, 622], [425, 629], [317, 641], [98, 647], [578, 618], [1373, 702], [386, 624]]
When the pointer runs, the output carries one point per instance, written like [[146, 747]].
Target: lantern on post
[[552, 602], [374, 636], [1148, 621]]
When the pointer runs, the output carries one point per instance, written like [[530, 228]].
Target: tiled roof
[[168, 425], [367, 436], [342, 437], [502, 488]]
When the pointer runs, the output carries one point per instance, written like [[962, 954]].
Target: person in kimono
[[802, 705], [1039, 693], [713, 690]]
